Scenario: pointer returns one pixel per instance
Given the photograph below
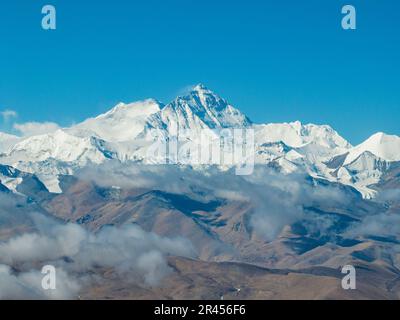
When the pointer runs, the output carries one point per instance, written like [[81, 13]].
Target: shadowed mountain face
[[391, 179]]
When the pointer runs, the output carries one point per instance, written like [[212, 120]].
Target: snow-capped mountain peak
[[208, 107], [133, 110], [383, 146], [201, 89], [124, 122], [298, 135]]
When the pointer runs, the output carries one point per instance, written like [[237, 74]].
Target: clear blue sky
[[275, 60]]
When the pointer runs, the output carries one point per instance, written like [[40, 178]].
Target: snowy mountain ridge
[[127, 131]]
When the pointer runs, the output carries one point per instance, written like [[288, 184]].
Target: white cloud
[[277, 199], [35, 128], [186, 90], [8, 114], [129, 250], [382, 224], [27, 285]]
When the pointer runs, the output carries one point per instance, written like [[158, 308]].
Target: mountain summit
[[381, 145], [198, 110]]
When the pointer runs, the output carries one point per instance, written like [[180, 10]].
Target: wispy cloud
[[35, 128], [185, 90], [7, 115]]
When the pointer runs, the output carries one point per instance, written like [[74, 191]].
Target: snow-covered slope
[[364, 171], [312, 143], [297, 135], [7, 141], [52, 154], [61, 146], [386, 147], [297, 146], [124, 122], [365, 164]]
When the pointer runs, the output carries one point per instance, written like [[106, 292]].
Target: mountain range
[[125, 132], [120, 221]]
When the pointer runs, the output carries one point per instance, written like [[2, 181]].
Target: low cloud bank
[[277, 199], [28, 285], [74, 251], [382, 225]]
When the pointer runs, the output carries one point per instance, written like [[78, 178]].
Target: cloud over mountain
[[74, 252]]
